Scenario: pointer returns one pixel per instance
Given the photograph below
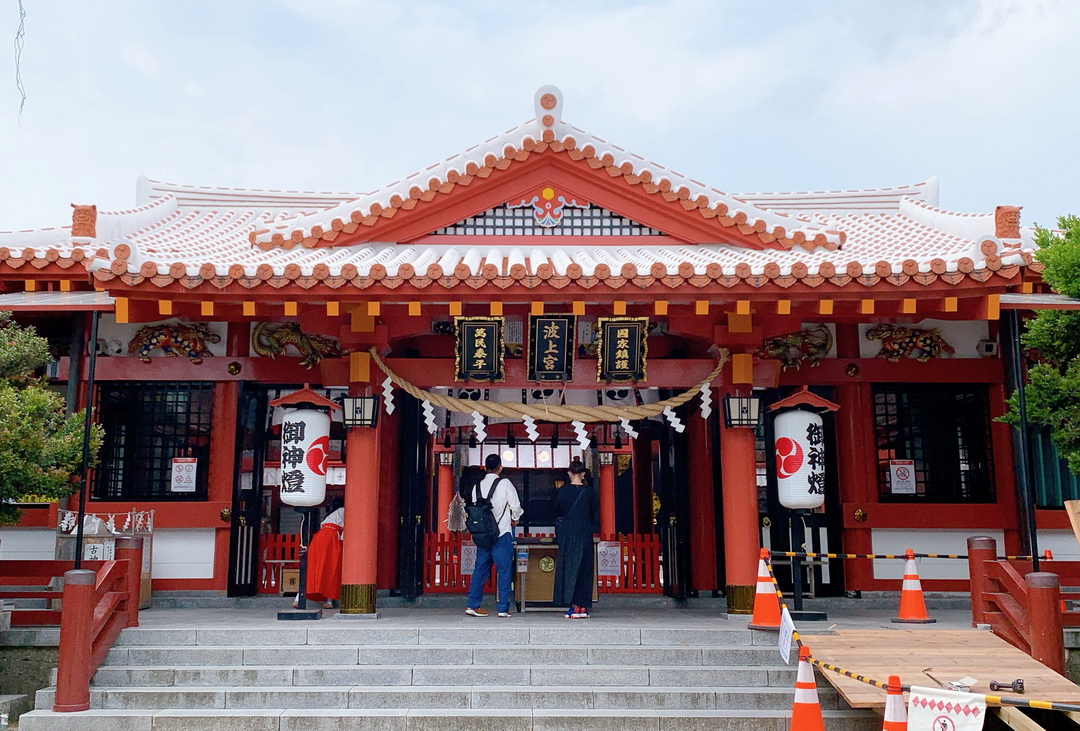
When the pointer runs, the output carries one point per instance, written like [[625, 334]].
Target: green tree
[[1053, 389], [40, 447]]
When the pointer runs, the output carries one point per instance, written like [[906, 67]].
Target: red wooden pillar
[[74, 663], [444, 464], [607, 494], [359, 559], [1044, 610], [130, 549], [703, 514], [742, 538]]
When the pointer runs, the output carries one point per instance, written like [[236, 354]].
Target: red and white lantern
[[305, 451], [799, 441]]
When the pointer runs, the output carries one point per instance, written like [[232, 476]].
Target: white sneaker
[[505, 614]]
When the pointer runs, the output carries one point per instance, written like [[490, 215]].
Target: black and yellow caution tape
[[905, 687], [797, 554]]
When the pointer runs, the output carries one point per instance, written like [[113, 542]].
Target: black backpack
[[480, 518]]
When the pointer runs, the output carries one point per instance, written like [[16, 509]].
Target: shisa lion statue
[[794, 349], [908, 342], [188, 339], [83, 221], [271, 339]]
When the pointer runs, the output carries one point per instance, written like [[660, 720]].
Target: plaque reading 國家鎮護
[[622, 349], [551, 347], [479, 353]]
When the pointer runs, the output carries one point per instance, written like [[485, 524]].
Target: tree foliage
[[40, 447], [1053, 336]]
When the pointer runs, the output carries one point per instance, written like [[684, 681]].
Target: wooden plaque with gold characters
[[479, 349], [622, 349]]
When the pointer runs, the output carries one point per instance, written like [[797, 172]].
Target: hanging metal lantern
[[305, 451], [799, 444]]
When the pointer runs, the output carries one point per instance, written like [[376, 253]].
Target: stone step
[[510, 632], [476, 696], [170, 656], [432, 719], [450, 675]]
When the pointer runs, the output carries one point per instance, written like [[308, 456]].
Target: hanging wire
[[20, 36]]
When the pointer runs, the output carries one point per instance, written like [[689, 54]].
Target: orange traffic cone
[[766, 603], [912, 606], [806, 711], [895, 712]]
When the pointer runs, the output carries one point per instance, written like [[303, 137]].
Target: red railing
[[442, 565], [1027, 611], [640, 570], [277, 552], [97, 602]]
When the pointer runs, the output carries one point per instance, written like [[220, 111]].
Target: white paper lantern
[[305, 451], [799, 442]]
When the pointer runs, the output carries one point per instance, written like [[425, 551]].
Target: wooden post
[[607, 495], [742, 537], [980, 550], [130, 549], [445, 476], [1044, 612], [360, 559], [76, 641]]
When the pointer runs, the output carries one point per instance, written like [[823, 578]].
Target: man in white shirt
[[506, 507]]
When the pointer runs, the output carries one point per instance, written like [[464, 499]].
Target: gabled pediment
[[547, 212], [547, 152]]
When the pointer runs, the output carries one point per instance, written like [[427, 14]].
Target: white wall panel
[[184, 553], [27, 544], [898, 540]]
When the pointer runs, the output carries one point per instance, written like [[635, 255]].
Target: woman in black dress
[[579, 519]]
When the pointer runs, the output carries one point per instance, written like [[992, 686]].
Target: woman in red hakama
[[324, 560]]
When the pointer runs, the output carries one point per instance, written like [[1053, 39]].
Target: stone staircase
[[481, 674]]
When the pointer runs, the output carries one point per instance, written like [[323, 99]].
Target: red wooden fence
[[1026, 610], [277, 552], [640, 565], [97, 601]]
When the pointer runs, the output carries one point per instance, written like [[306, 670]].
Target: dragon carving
[[271, 339], [188, 339], [793, 349], [908, 342]]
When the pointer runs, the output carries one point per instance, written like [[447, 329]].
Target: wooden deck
[[952, 654]]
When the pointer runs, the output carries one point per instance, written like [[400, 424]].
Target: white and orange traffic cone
[[895, 711], [766, 603], [912, 605], [806, 711]]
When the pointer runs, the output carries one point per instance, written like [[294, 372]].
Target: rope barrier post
[[798, 536], [980, 550], [1044, 613]]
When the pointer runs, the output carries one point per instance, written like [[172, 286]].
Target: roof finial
[[1007, 222], [548, 103]]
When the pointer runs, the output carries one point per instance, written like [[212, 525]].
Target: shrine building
[[542, 295]]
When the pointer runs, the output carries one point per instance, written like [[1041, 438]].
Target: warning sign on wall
[[183, 474], [902, 476], [608, 559]]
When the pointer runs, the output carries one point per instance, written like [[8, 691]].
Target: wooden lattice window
[[945, 431], [146, 425]]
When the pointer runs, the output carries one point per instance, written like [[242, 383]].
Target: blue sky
[[348, 95]]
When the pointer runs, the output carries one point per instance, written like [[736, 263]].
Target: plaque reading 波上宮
[[479, 352], [622, 349], [551, 347]]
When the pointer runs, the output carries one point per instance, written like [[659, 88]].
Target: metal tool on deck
[[1016, 686], [959, 686]]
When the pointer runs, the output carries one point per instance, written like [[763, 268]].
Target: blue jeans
[[502, 555]]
